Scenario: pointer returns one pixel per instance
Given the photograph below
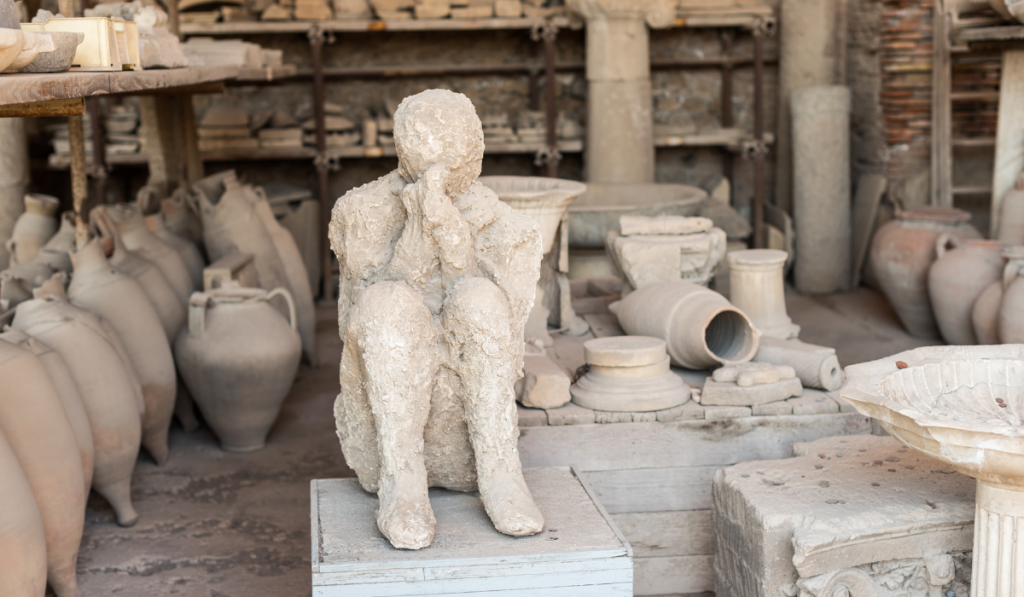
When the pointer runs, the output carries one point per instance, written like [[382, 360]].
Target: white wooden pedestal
[[580, 553]]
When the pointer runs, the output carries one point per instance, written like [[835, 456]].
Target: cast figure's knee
[[478, 306], [389, 310]]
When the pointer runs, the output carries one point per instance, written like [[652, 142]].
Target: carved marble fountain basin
[[963, 405]]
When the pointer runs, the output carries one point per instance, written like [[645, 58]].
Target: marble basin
[[544, 200], [963, 405]]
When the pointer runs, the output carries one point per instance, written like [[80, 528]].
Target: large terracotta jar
[[55, 252], [187, 250], [180, 218], [22, 539], [238, 358], [231, 225], [121, 301], [701, 328], [104, 382], [160, 292], [1011, 215], [294, 268], [138, 239], [985, 313], [34, 227], [33, 420], [962, 271], [70, 398], [1011, 309], [901, 254]]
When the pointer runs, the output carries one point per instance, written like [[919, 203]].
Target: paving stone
[[782, 407], [648, 417], [712, 413], [813, 402], [687, 411], [604, 417], [570, 414], [532, 417]]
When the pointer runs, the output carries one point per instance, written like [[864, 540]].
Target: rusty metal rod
[[79, 180], [727, 66], [388, 72], [550, 107], [321, 167], [758, 207]]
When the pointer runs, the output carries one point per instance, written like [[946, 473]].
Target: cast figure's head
[[439, 126]]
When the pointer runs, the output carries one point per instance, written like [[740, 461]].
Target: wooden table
[[167, 119]]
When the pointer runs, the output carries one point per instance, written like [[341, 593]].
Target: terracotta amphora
[[187, 249], [238, 358], [111, 400], [702, 329], [34, 227], [901, 254], [120, 300], [55, 252], [180, 218], [22, 539], [33, 420], [138, 239], [231, 225], [1011, 215], [160, 292], [70, 398], [961, 272], [294, 268], [1011, 309]]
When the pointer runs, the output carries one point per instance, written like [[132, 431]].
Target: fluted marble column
[[620, 141], [756, 288], [998, 566]]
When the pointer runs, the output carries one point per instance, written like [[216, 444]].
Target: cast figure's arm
[[442, 221]]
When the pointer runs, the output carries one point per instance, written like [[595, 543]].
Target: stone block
[[508, 9], [544, 384], [731, 394], [531, 417], [687, 411], [712, 413], [813, 402], [579, 552], [603, 417], [649, 259], [473, 12], [856, 512], [570, 414], [782, 407]]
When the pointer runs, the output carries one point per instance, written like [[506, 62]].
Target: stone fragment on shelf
[[280, 138], [331, 123], [751, 374], [508, 9], [222, 143], [276, 12], [352, 9], [473, 12], [432, 9], [312, 10], [225, 117]]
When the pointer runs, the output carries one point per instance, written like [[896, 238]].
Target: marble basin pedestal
[[963, 405]]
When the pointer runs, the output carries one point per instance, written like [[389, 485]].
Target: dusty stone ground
[[213, 524]]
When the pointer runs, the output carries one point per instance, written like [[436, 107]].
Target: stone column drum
[[821, 188], [756, 288], [620, 140], [13, 179]]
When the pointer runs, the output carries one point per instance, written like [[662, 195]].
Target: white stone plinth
[[756, 288], [579, 553]]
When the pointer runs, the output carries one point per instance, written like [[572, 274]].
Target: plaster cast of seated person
[[437, 280]]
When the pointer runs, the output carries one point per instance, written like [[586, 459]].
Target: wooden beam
[[1009, 132], [60, 107], [199, 88], [942, 110]]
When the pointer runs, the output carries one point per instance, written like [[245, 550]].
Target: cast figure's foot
[[510, 505], [406, 519]]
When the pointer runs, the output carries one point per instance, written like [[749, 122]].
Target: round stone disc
[[624, 351], [630, 395]]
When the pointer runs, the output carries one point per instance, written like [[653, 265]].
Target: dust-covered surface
[[349, 532], [214, 524]]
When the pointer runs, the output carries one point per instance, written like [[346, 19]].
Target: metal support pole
[[762, 149], [323, 163], [727, 36], [79, 180], [99, 150], [549, 156]]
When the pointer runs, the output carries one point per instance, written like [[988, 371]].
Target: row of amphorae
[[96, 339]]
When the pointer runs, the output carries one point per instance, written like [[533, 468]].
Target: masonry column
[[13, 178], [620, 142]]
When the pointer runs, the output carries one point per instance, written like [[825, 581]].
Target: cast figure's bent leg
[[396, 346], [487, 354]]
